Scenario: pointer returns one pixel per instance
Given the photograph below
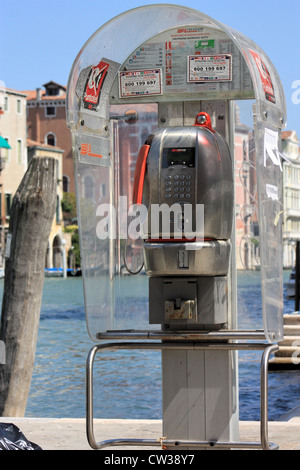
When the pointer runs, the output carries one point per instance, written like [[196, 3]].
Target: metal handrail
[[180, 335], [267, 349]]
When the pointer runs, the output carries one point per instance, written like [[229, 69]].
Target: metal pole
[[89, 398], [264, 396]]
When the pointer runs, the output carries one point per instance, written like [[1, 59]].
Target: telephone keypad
[[175, 184]]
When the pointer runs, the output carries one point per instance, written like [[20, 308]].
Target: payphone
[[186, 173], [184, 71]]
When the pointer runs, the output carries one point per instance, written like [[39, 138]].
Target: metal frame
[[196, 341]]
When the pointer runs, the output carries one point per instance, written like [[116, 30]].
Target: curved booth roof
[[119, 37]]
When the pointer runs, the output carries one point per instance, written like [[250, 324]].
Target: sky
[[39, 41]]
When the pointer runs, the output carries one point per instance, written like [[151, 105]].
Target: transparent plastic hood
[[93, 89]]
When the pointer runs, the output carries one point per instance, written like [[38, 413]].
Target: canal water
[[128, 383]]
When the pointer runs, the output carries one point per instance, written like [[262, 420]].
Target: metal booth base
[[218, 340]]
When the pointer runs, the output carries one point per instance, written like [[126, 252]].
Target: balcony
[[291, 212]]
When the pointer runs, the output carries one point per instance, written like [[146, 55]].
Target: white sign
[[272, 192], [140, 83], [209, 68], [271, 148]]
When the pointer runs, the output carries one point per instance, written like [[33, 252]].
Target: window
[[19, 107], [50, 111], [66, 184], [7, 204], [52, 91], [57, 209], [5, 103], [5, 153], [19, 150], [51, 139]]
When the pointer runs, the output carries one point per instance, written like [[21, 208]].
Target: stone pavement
[[70, 434]]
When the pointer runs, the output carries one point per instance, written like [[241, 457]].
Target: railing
[[195, 341]]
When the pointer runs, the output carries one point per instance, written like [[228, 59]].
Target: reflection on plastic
[[249, 246], [2, 353]]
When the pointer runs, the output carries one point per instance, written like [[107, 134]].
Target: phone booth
[[151, 104]]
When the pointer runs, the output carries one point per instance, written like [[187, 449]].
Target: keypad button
[[168, 195], [176, 177]]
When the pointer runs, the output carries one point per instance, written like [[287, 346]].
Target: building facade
[[13, 165], [291, 197], [46, 124], [13, 159], [58, 240]]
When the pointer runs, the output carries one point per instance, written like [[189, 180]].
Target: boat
[[59, 272], [54, 272], [74, 272]]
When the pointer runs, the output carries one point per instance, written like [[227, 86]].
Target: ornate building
[[291, 196]]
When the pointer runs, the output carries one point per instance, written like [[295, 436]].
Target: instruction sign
[[186, 60], [202, 68], [140, 82]]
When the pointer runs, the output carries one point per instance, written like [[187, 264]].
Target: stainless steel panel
[[209, 258]]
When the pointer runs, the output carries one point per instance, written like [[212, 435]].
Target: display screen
[[179, 156]]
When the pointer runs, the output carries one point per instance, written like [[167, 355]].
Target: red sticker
[[86, 149], [265, 77], [94, 83]]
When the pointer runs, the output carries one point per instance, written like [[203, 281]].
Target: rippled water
[[128, 383]]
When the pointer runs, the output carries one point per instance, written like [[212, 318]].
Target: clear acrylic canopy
[[98, 91]]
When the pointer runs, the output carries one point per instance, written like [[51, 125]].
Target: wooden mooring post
[[32, 213]]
